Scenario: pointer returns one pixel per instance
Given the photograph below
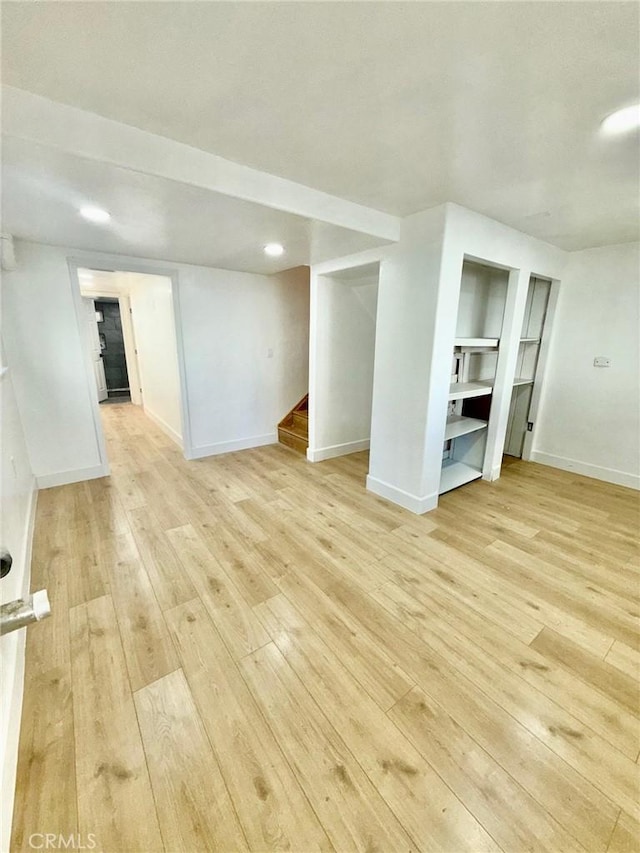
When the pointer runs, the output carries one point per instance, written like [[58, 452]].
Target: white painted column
[[505, 371], [402, 385], [315, 331]]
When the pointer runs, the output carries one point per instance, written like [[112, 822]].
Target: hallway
[[251, 652]]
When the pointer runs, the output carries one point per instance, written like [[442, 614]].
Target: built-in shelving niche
[[479, 324]]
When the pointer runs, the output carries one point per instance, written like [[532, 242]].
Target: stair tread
[[291, 430], [293, 441]]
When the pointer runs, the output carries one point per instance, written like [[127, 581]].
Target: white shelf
[[464, 390], [529, 340], [520, 381], [476, 342], [456, 474], [458, 425]]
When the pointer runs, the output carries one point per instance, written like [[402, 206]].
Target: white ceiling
[[398, 106], [151, 217]]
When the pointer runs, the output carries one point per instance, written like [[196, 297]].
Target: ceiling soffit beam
[[31, 117]]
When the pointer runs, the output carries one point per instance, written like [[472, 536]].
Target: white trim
[[609, 475], [11, 735], [232, 446], [415, 504], [538, 392], [109, 262], [348, 262], [337, 450], [493, 474], [185, 412], [93, 137], [114, 262], [313, 357], [76, 475], [12, 732], [513, 314], [28, 542], [130, 352], [164, 426], [90, 379]]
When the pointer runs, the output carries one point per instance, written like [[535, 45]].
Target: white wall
[[45, 348], [417, 310], [340, 406], [246, 353], [155, 340], [483, 293], [405, 329], [235, 392], [589, 419], [17, 506], [473, 236], [130, 355]]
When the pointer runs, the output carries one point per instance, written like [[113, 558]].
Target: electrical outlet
[[601, 361]]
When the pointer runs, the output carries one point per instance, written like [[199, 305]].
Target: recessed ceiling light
[[95, 214], [274, 250], [622, 120]]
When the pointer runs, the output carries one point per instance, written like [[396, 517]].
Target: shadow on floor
[[117, 398]]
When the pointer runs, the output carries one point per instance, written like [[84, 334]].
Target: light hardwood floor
[[250, 652]]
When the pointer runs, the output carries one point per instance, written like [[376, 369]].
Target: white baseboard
[[334, 450], [413, 503], [493, 474], [231, 446], [63, 478], [13, 663], [609, 475], [164, 426]]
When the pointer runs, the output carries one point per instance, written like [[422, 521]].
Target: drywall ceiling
[[152, 217], [397, 106]]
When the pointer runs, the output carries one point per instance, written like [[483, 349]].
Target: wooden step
[[301, 422], [288, 436], [293, 429]]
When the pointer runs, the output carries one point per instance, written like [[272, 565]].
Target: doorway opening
[[112, 351], [343, 336], [130, 339]]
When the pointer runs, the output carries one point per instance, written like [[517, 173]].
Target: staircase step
[[293, 439], [301, 421], [292, 429]]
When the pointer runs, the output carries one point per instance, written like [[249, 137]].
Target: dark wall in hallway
[[112, 342]]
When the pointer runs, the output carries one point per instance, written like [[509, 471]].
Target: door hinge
[[529, 426]]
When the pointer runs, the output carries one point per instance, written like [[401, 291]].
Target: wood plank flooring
[[250, 652]]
